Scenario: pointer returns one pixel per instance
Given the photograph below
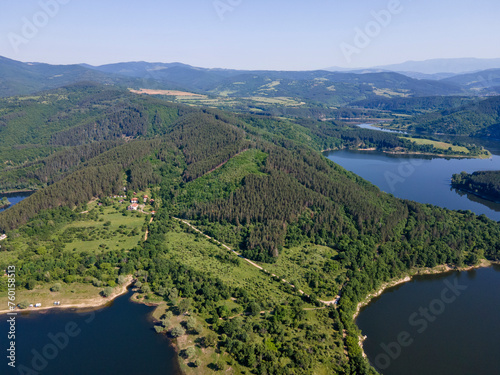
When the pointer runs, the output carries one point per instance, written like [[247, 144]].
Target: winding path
[[328, 303]]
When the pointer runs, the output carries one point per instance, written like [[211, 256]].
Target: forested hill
[[252, 183], [46, 136], [479, 118], [19, 78]]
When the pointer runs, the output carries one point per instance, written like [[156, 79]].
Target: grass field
[[299, 264], [117, 235], [438, 145], [278, 100], [199, 253], [110, 230]]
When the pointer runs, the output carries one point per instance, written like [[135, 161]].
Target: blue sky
[[249, 34]]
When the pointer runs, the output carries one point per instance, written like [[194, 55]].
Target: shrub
[[190, 352], [177, 331], [210, 340], [56, 287], [107, 291], [159, 329], [31, 284]]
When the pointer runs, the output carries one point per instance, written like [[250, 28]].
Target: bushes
[[177, 331], [56, 287], [107, 292]]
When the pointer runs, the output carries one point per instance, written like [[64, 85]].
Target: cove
[[117, 339], [436, 325]]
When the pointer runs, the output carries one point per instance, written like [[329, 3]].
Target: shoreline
[[437, 155], [473, 193], [445, 268], [17, 191], [94, 304], [415, 153]]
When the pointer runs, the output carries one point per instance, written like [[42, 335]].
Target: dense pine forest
[[256, 183]]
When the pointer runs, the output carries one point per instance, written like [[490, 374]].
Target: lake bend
[[440, 324], [116, 339], [14, 198], [434, 324], [420, 178]]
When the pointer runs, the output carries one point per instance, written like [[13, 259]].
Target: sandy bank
[[92, 303]]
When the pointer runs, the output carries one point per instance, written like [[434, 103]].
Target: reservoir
[[436, 325], [118, 339], [421, 179]]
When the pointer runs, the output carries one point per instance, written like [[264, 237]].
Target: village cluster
[[135, 203], [134, 206]]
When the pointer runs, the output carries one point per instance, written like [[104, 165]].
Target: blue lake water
[[118, 339], [421, 179], [14, 198]]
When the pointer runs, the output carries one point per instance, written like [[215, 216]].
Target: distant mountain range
[[439, 68], [318, 87], [20, 78]]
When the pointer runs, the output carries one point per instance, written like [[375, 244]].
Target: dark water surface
[[118, 339], [436, 325], [425, 180]]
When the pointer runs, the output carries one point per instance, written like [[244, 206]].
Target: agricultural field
[[438, 145], [277, 101]]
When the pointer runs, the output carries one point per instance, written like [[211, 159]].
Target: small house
[[134, 200], [3, 237], [133, 207], [153, 212], [145, 199], [38, 305]]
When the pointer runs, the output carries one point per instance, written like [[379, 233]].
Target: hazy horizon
[[235, 34], [251, 69]]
